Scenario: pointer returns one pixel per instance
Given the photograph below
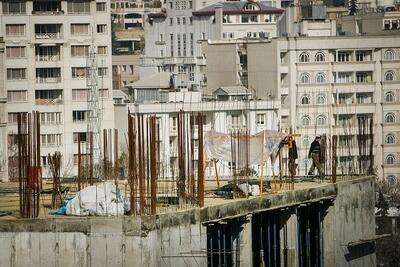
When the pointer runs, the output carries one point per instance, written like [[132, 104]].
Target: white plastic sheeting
[[262, 145], [248, 189], [102, 199]]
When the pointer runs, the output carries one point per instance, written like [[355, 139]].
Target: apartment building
[[173, 36], [230, 108], [130, 13], [334, 85], [47, 44]]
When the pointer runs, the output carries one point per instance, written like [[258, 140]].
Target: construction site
[[99, 218]]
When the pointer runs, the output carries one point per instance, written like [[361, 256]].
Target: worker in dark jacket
[[315, 154]]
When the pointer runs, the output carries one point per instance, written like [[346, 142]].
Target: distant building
[[125, 70], [47, 44], [173, 36]]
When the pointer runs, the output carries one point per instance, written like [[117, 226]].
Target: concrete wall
[[180, 238]]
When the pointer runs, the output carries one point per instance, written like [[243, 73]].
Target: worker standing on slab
[[315, 154]]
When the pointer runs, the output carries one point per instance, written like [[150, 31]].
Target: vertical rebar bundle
[[240, 150], [55, 166], [190, 182], [28, 140], [143, 135]]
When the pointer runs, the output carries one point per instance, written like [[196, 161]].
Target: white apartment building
[[173, 36], [130, 13], [47, 44], [222, 116], [333, 85]]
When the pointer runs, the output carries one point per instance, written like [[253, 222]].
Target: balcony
[[48, 31], [48, 97], [48, 75], [47, 8], [47, 53]]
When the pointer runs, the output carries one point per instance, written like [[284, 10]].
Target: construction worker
[[316, 156]]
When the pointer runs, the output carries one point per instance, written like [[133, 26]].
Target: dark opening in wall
[[310, 234], [223, 243], [266, 239]]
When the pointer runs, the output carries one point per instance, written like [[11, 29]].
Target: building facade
[[173, 36], [47, 45], [331, 85]]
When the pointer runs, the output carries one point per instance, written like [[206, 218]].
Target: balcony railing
[[50, 12], [47, 57], [56, 101], [48, 79], [48, 35]]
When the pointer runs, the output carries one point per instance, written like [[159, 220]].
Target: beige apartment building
[[47, 45], [334, 85]]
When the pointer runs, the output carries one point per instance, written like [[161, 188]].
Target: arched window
[[321, 100], [321, 120], [392, 179], [390, 139], [390, 118], [389, 75], [320, 57], [320, 77], [390, 159], [305, 78], [305, 100], [389, 55], [304, 57], [305, 120], [389, 97]]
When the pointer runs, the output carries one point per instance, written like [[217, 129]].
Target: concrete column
[[328, 237], [246, 248], [291, 236]]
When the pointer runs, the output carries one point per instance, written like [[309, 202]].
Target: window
[[102, 50], [321, 120], [13, 117], [392, 180], [184, 44], [390, 118], [48, 75], [389, 97], [389, 75], [179, 44], [50, 139], [79, 50], [79, 94], [344, 77], [190, 4], [101, 7], [50, 118], [171, 44], [178, 21], [16, 74], [261, 119], [17, 96], [15, 51], [390, 159], [320, 57], [361, 77], [171, 21], [79, 7], [362, 99], [79, 115], [321, 99], [80, 29], [81, 136], [48, 97], [183, 21], [191, 44], [343, 57], [102, 72], [101, 28], [389, 55], [103, 93], [361, 56], [305, 100], [79, 72], [305, 78], [14, 7], [249, 18], [304, 57], [390, 139], [15, 30], [320, 77], [305, 120]]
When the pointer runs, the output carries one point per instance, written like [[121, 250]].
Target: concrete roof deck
[[215, 209]]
